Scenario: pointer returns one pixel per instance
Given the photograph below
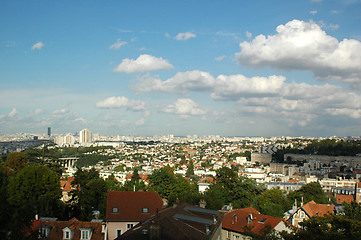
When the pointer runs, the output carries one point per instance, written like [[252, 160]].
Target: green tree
[[240, 191], [352, 210], [6, 210], [90, 194], [33, 190], [330, 227], [112, 183], [190, 169], [309, 192], [162, 181], [135, 176], [15, 161], [272, 202], [184, 191]]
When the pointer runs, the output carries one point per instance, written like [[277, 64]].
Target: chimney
[[202, 203], [294, 207]]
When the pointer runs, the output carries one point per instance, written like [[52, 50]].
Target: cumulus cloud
[[122, 102], [191, 80], [234, 86], [248, 34], [143, 63], [185, 107], [13, 113], [185, 36], [300, 45], [295, 104], [117, 44], [220, 58], [38, 46]]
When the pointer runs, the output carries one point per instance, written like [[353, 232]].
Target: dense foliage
[[330, 147], [230, 188]]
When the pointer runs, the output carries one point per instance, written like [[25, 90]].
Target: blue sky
[[230, 68]]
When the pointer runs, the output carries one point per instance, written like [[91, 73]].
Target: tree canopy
[[230, 188]]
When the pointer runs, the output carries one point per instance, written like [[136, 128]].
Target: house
[[127, 209], [340, 198], [247, 222], [181, 221], [309, 210], [66, 188], [51, 229]]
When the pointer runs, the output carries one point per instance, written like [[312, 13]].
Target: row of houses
[[144, 215]]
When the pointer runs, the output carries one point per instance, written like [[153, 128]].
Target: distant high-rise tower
[[85, 136], [49, 132]]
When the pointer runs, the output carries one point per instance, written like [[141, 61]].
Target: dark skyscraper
[[49, 132]]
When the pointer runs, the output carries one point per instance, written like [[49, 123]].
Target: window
[[236, 237], [66, 235], [302, 214], [85, 234], [144, 231], [119, 232], [145, 210], [129, 226], [115, 210]]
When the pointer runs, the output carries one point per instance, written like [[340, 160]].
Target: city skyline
[[181, 68]]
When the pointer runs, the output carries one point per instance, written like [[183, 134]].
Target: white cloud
[[37, 46], [140, 122], [117, 44], [353, 113], [181, 82], [220, 58], [300, 45], [122, 102], [185, 107], [313, 12], [143, 63], [13, 113], [234, 86], [185, 36], [248, 34]]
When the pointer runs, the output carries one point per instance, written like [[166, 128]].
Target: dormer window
[[85, 234], [44, 231], [145, 210], [66, 234]]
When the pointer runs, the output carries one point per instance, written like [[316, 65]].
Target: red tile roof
[[344, 198], [65, 184], [314, 209], [237, 221], [56, 228], [131, 204]]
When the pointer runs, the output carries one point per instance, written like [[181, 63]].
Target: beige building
[[261, 158], [328, 183], [85, 136]]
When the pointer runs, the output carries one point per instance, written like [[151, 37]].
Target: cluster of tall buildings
[[85, 138]]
